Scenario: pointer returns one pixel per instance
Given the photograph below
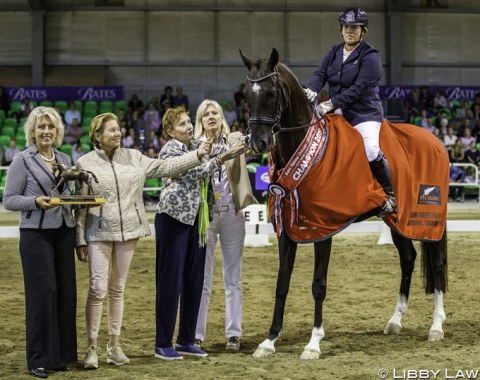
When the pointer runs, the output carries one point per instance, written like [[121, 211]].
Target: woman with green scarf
[[181, 226]]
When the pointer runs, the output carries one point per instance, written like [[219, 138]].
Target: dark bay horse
[[280, 115]]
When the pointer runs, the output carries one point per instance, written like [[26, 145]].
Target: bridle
[[275, 120]]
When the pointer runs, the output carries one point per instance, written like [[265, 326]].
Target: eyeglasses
[[353, 28]]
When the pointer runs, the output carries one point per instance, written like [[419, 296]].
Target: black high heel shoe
[[38, 372]]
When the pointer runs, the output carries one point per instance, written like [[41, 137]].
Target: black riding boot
[[381, 171]]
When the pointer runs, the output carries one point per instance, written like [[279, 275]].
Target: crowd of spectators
[[456, 124]]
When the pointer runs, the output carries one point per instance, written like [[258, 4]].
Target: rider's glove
[[311, 95], [325, 107]]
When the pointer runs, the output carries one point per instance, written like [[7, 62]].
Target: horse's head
[[264, 95]]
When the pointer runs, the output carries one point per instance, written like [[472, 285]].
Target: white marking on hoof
[[392, 329], [434, 335], [264, 349], [309, 354]]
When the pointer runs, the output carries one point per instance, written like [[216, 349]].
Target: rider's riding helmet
[[353, 16]]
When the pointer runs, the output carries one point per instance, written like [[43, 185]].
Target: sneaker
[[116, 356], [233, 343], [190, 350], [198, 343], [167, 353], [91, 358]]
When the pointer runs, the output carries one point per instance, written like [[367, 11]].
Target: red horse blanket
[[340, 187]]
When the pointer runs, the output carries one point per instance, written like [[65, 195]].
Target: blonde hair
[[171, 117], [33, 120], [98, 124], [199, 129]]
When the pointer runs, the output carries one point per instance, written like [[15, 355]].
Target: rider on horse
[[353, 70]]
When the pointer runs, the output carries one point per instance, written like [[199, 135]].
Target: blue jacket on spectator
[[353, 84]]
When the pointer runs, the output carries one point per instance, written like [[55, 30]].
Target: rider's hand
[[311, 95], [325, 107]]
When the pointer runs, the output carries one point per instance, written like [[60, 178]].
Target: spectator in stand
[[436, 132], [443, 126], [426, 97], [166, 100], [72, 113], [156, 102], [128, 141], [73, 132], [242, 110], [2, 155], [467, 138], [152, 117], [239, 95], [26, 107], [12, 150], [457, 173], [154, 142], [414, 105], [439, 101], [442, 118], [135, 104], [230, 114], [77, 152], [60, 113], [180, 99], [449, 139], [472, 155], [4, 103]]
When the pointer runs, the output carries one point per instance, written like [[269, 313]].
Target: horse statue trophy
[[81, 177], [320, 183]]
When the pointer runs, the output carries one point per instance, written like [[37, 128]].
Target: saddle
[[339, 187]]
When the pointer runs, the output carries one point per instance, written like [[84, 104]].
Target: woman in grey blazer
[[47, 238]]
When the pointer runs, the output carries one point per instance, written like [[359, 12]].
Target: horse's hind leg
[[407, 255], [434, 264], [287, 250], [319, 291]]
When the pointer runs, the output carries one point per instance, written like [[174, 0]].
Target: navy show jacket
[[353, 84]]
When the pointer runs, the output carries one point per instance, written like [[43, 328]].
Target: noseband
[[273, 121]]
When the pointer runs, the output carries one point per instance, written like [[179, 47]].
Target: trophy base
[[84, 200]]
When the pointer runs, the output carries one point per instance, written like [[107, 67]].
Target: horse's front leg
[[287, 250], [407, 254], [319, 291]]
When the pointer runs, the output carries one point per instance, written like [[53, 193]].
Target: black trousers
[[180, 267], [50, 296]]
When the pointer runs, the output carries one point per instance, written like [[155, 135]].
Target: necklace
[[47, 159]]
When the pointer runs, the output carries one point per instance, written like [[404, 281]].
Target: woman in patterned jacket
[[181, 227]]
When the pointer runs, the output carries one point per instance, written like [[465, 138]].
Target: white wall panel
[[181, 36], [15, 37]]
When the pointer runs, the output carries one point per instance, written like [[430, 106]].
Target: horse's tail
[[435, 265]]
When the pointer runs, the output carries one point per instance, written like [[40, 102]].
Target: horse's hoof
[[310, 355], [434, 335], [261, 352], [392, 329]]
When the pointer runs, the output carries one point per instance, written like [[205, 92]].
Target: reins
[[275, 121]]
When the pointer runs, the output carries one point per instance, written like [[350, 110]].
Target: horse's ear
[[247, 61], [273, 60]]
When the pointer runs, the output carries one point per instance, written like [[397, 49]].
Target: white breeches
[[370, 131]]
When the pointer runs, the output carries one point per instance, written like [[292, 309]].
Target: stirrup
[[388, 207]]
